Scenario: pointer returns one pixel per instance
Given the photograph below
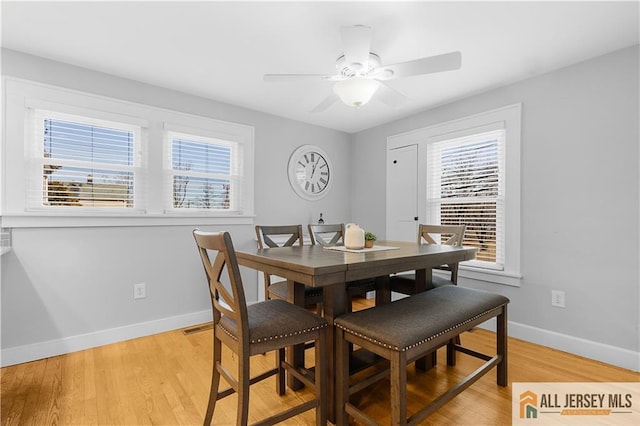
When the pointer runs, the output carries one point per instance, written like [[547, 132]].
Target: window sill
[[496, 277], [80, 221]]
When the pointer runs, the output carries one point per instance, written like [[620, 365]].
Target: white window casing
[[202, 173], [469, 145], [24, 202]]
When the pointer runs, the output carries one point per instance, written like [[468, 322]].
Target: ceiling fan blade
[[293, 77], [356, 42], [389, 95], [445, 62], [326, 103]]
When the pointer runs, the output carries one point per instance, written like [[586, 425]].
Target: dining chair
[[273, 236], [331, 235], [262, 327], [432, 234], [326, 234]]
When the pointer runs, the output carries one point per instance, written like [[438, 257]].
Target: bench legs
[[342, 374], [398, 388], [501, 346], [398, 375]]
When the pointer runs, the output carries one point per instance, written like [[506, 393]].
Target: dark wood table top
[[317, 266]]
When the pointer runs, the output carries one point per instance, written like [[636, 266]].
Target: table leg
[[423, 282], [334, 301], [295, 354], [383, 290]]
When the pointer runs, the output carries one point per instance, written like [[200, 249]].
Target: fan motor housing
[[351, 70]]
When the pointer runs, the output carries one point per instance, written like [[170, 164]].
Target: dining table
[[332, 267]]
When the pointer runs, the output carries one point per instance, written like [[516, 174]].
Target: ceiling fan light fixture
[[356, 91]]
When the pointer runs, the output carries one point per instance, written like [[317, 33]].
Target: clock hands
[[309, 172]]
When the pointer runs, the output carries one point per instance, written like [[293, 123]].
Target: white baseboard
[[613, 355], [608, 354], [32, 352]]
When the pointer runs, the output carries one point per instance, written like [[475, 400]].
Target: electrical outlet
[[139, 291], [557, 298]]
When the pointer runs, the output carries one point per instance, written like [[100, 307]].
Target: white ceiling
[[220, 50]]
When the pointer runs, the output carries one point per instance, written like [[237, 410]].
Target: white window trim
[[510, 118], [18, 94]]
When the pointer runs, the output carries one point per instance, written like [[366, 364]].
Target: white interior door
[[402, 193]]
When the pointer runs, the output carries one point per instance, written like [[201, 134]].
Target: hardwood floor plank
[[51, 389], [80, 402], [89, 408], [11, 384], [164, 379], [29, 393]]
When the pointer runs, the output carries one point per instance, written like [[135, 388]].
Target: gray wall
[[580, 192], [580, 214], [60, 283]]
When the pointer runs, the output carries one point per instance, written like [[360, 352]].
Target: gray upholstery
[[414, 320], [412, 329], [274, 324]]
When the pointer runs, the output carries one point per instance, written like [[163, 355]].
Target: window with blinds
[[79, 159], [83, 163], [465, 185], [204, 173]]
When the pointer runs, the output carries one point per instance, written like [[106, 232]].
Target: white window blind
[[465, 185], [204, 174], [82, 163]]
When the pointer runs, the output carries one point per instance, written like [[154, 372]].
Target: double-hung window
[[465, 186], [468, 173], [82, 163], [204, 173]]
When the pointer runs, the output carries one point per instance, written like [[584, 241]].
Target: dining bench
[[412, 328]]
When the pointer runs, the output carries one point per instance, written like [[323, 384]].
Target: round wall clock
[[310, 172]]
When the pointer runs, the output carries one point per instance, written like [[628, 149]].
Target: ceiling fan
[[361, 73]]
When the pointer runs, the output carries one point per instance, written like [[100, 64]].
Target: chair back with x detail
[[327, 235], [451, 235], [293, 233], [432, 234], [331, 235], [274, 236], [262, 327]]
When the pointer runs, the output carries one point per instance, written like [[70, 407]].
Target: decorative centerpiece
[[353, 236], [369, 238]]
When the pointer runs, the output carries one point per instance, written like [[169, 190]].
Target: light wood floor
[[164, 380]]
